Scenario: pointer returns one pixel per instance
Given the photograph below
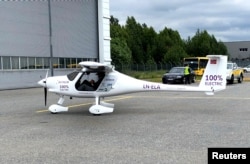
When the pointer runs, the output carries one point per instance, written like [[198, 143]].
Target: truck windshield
[[193, 63], [229, 66]]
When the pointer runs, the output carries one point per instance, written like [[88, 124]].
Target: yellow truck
[[234, 73]]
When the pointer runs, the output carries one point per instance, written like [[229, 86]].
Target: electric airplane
[[98, 80]]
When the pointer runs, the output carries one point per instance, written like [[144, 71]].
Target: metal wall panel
[[25, 33], [24, 29], [74, 28]]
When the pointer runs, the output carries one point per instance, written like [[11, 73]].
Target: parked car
[[246, 68], [176, 75], [234, 73]]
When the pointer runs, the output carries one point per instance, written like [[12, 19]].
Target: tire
[[164, 81], [231, 81], [240, 79]]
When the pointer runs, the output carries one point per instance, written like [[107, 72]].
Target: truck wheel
[[240, 79], [232, 79]]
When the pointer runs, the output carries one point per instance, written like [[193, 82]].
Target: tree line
[[137, 43]]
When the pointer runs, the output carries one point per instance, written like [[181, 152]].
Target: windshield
[[203, 63], [72, 75], [193, 63], [229, 66], [176, 70], [196, 64]]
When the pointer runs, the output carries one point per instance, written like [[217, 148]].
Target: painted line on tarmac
[[78, 105]]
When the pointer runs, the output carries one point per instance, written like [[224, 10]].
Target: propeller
[[45, 88], [45, 96]]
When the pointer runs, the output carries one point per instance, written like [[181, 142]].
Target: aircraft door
[[89, 81], [107, 83]]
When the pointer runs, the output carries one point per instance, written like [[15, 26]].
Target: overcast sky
[[227, 20]]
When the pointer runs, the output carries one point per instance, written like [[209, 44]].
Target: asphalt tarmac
[[152, 127]]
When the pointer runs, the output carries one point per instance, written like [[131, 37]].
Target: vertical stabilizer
[[214, 77]]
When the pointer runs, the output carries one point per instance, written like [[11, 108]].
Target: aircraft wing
[[96, 66]]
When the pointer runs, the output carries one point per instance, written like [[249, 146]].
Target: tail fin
[[214, 77]]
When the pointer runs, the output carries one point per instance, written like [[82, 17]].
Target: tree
[[138, 43], [120, 52], [148, 44], [175, 55], [134, 39], [116, 30], [167, 39], [203, 44]]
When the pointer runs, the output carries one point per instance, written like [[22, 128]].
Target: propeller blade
[[45, 96], [45, 88], [47, 75]]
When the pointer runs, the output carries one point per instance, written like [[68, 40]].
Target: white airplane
[[80, 83]]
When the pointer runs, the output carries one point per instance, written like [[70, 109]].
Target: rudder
[[214, 77]]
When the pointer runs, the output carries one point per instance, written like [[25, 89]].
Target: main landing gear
[[100, 107]]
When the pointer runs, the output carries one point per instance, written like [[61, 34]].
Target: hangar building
[[239, 50], [37, 35]]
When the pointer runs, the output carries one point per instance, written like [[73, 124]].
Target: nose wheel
[[56, 108]]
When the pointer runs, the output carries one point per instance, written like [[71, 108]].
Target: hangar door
[[25, 28]]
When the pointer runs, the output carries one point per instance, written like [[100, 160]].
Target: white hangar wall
[[30, 44]]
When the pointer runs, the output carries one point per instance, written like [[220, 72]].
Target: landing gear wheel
[[96, 114], [55, 108]]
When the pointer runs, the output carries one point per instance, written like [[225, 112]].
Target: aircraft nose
[[41, 82]]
